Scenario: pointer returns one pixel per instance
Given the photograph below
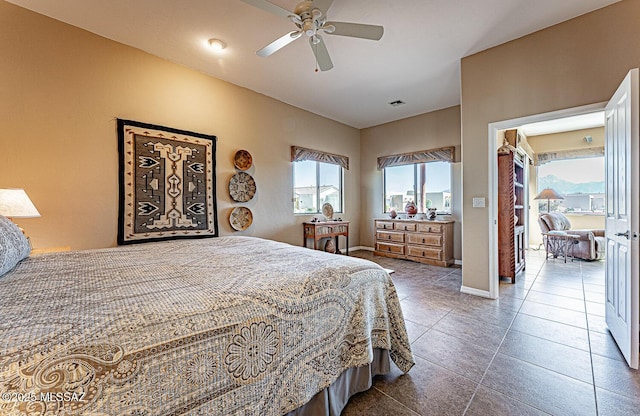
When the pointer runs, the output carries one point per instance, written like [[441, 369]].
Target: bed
[[228, 325]]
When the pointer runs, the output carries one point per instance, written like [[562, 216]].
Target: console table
[[318, 230]]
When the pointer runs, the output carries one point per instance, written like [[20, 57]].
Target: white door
[[622, 154]]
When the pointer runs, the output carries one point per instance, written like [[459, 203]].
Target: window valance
[[443, 154], [546, 157], [300, 153]]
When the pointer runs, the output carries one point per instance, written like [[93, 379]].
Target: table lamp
[[548, 194], [15, 203]]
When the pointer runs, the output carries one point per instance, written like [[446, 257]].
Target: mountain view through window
[[580, 181]]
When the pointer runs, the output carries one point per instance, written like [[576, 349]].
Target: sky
[[575, 170], [400, 179], [304, 174]]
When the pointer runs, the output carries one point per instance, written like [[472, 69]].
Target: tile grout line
[[484, 374], [537, 277], [586, 318], [508, 329], [397, 401]]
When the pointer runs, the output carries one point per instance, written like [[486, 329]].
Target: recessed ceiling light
[[396, 103], [217, 44]]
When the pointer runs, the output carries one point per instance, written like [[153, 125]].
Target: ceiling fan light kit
[[310, 19]]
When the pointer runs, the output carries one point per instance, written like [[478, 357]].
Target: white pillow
[[14, 246]]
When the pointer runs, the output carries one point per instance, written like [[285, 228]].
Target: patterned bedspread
[[230, 325]]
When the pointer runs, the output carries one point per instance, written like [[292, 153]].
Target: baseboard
[[360, 248], [476, 292], [456, 262]]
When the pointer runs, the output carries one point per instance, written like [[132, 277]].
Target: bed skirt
[[332, 400]]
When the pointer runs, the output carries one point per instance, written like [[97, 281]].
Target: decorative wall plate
[[327, 211], [241, 218], [242, 187], [243, 160]]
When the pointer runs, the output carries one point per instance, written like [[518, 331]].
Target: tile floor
[[541, 348]]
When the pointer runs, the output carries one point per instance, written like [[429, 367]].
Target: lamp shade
[[14, 203], [548, 193]]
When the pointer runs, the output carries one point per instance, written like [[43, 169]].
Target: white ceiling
[[416, 61], [580, 122]]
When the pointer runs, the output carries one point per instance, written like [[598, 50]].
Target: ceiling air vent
[[396, 103]]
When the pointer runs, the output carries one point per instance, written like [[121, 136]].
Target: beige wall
[[61, 91], [426, 131], [568, 140], [578, 62]]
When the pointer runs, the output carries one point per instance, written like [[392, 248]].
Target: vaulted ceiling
[[417, 60]]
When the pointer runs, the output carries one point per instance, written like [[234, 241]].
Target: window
[[430, 182], [579, 181], [315, 183]]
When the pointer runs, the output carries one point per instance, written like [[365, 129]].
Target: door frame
[[492, 196]]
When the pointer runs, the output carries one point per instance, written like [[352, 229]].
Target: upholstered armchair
[[590, 244]]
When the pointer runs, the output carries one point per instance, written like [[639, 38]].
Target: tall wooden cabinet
[[511, 213]]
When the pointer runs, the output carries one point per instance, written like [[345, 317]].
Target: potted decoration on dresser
[[411, 208], [432, 213]]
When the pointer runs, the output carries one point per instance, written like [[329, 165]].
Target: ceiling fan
[[310, 19]]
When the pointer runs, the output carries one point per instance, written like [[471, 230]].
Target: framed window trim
[[565, 156], [417, 174], [419, 157], [300, 154], [319, 191]]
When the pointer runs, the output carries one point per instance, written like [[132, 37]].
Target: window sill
[[301, 214]]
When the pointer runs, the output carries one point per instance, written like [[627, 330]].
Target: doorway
[[622, 193], [494, 131], [567, 166]]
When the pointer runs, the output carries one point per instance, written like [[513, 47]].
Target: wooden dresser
[[429, 242]]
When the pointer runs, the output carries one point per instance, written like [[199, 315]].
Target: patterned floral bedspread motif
[[230, 325]]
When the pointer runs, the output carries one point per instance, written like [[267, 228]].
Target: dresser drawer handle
[[423, 254], [429, 229], [389, 237], [423, 240]]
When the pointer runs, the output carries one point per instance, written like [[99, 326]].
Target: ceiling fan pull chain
[[314, 56]]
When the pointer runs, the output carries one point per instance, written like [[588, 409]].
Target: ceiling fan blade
[[356, 30], [269, 7], [278, 44], [322, 5], [322, 54]]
